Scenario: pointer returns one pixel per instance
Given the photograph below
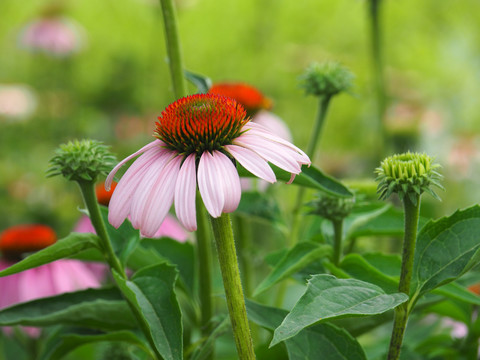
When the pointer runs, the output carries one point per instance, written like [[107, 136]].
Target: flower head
[[250, 97], [20, 239], [326, 79], [200, 139], [83, 160], [408, 174]]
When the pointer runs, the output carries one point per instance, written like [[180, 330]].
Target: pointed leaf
[[311, 177], [458, 292], [327, 297], [205, 351], [294, 260], [326, 339], [93, 308], [151, 292], [63, 248], [446, 249], [202, 83]]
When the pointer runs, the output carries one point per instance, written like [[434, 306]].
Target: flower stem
[[377, 62], [204, 269], [88, 192], [338, 237], [173, 48], [401, 312], [222, 231]]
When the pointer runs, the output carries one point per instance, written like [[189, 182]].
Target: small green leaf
[[260, 206], [326, 339], [389, 223], [311, 177], [204, 351], [151, 292], [69, 343], [202, 83], [446, 249], [294, 260], [93, 308], [327, 297], [63, 248]]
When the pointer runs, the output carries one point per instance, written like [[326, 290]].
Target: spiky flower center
[[17, 240], [198, 123], [407, 174]]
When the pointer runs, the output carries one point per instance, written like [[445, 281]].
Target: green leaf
[[326, 339], [327, 297], [102, 309], [458, 292], [446, 249], [69, 343], [295, 259], [362, 214], [202, 83], [151, 292], [358, 267], [388, 223], [205, 350], [63, 248], [260, 206], [311, 177]]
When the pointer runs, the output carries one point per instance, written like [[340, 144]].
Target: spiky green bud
[[408, 174], [326, 79], [331, 207], [82, 160]]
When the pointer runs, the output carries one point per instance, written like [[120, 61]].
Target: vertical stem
[[204, 268], [222, 231], [88, 192], [173, 48], [401, 311], [337, 244], [377, 62]]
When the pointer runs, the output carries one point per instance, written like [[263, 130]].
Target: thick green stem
[[88, 191], [173, 48], [337, 240], [222, 231], [377, 62], [204, 269], [401, 312]]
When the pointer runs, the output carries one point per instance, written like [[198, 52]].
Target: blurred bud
[[17, 102], [326, 79], [408, 174], [81, 161], [331, 207]]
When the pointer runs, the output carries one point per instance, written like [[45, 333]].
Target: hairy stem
[[227, 256], [337, 240]]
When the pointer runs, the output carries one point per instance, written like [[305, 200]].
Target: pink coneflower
[[199, 140], [47, 280]]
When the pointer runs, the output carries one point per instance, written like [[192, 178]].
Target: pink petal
[[185, 190], [230, 181], [275, 153], [251, 161], [120, 203], [273, 124], [154, 196], [210, 184], [153, 144]]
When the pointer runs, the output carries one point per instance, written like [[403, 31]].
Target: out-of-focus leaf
[[327, 297], [63, 248], [151, 292], [205, 350], [295, 259], [325, 339], [458, 292], [93, 308], [201, 82], [260, 206], [387, 223], [446, 249]]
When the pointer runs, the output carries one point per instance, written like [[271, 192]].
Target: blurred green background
[[113, 88]]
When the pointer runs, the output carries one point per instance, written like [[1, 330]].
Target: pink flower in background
[[199, 139], [273, 123], [53, 35], [17, 102], [47, 280]]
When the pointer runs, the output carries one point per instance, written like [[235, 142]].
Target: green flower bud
[[331, 207], [408, 174], [326, 79], [81, 161]]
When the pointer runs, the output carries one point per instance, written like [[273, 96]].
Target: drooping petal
[[185, 190], [210, 184], [120, 203], [230, 181], [153, 144], [144, 189], [270, 151], [251, 161]]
